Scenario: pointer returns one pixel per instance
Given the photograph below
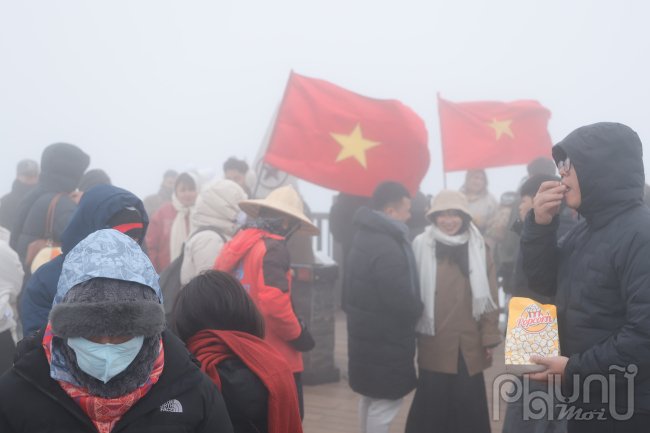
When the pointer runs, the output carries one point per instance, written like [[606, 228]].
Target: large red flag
[[344, 141], [492, 134]]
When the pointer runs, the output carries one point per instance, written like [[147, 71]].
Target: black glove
[[305, 342]]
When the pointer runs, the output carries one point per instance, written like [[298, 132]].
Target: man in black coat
[[26, 178], [62, 166], [599, 275], [383, 305]]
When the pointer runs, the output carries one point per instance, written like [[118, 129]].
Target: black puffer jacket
[[600, 271], [246, 397], [383, 306], [62, 165], [9, 203], [183, 400]]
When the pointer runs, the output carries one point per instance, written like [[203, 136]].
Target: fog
[[144, 86]]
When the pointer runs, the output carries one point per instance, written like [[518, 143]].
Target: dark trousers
[[449, 403], [301, 404], [640, 422], [7, 348]]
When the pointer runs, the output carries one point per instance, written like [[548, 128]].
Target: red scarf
[[211, 347], [105, 412]]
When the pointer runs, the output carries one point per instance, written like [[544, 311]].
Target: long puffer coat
[[183, 400], [62, 166], [382, 309], [599, 271], [216, 206]]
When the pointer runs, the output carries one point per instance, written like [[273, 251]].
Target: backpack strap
[[212, 229], [49, 222]]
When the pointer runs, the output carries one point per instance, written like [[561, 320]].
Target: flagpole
[[442, 149]]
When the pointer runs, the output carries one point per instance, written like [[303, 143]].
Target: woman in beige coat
[[458, 329], [215, 214]]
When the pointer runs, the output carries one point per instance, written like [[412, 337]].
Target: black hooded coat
[[183, 400], [96, 207], [382, 305], [62, 165], [599, 272]]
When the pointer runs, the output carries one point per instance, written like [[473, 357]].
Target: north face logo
[[171, 406]]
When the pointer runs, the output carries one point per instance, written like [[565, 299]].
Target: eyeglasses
[[566, 165]]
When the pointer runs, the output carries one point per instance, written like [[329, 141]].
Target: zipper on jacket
[[51, 396]]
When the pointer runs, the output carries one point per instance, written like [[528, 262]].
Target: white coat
[[216, 206]]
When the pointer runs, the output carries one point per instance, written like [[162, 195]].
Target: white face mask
[[105, 361]]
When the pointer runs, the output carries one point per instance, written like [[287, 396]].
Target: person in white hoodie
[[216, 218], [11, 280]]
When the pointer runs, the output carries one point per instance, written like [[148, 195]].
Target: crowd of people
[[175, 313]]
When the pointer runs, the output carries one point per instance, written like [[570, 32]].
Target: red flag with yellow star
[[344, 141], [486, 134]]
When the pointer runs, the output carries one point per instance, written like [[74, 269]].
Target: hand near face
[[547, 201]]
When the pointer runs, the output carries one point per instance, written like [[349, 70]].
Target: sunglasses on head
[[566, 165]]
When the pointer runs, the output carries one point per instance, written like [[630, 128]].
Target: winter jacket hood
[[95, 208], [216, 206], [106, 254], [62, 166], [240, 245], [608, 159]]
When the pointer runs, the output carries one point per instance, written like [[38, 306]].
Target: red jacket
[[157, 238], [261, 262]]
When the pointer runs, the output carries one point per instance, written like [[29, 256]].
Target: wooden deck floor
[[334, 407]]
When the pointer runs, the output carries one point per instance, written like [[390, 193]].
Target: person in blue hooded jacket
[[105, 362], [102, 206]]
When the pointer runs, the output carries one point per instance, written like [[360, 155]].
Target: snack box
[[532, 330]]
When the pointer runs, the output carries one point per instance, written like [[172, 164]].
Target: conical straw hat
[[285, 200]]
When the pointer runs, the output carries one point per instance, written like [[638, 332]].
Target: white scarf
[[179, 230], [424, 247]]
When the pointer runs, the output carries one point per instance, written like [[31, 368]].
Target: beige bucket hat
[[448, 199], [285, 200]]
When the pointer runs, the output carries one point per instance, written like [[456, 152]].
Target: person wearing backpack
[[62, 166], [259, 259], [216, 211]]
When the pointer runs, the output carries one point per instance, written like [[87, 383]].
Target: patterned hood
[[106, 254]]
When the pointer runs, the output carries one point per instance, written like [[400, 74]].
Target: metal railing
[[323, 242]]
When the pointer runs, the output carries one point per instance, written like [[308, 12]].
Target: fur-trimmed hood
[[106, 254]]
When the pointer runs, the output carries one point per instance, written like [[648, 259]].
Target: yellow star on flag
[[354, 145], [501, 127]]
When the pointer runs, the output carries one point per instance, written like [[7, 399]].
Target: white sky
[[143, 86]]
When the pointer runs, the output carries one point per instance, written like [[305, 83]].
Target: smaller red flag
[[344, 141], [486, 134]]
